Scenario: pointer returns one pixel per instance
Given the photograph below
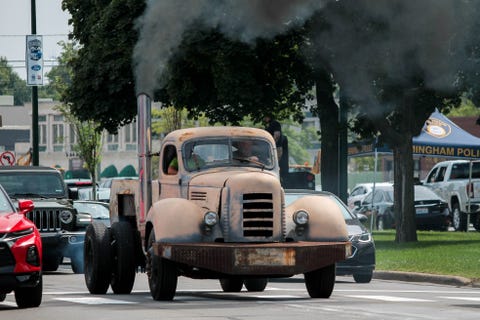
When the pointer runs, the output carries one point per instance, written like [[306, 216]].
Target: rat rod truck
[[221, 216]]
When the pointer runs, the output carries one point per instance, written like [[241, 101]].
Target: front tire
[[459, 218], [256, 285], [29, 297], [123, 248], [363, 277], [162, 274], [320, 282], [231, 284], [97, 255], [77, 262]]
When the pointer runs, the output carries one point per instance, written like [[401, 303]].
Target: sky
[[15, 24]]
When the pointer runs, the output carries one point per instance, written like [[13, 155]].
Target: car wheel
[[29, 297], [123, 253], [50, 263], [231, 284], [162, 274], [459, 218], [77, 262], [363, 277], [320, 282], [476, 221], [256, 285], [97, 254], [2, 296]]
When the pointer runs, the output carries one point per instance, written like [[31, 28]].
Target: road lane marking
[[95, 300], [463, 298], [389, 298]]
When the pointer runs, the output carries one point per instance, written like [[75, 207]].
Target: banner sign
[[34, 60]]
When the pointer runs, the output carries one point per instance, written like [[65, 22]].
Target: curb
[[424, 277]]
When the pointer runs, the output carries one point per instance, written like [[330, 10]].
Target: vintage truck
[[222, 215], [458, 182]]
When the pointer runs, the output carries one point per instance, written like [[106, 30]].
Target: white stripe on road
[[463, 298], [390, 298], [95, 300]]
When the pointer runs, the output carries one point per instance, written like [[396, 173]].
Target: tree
[[102, 86], [88, 133], [12, 84]]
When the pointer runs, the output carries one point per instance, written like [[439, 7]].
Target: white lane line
[[463, 298], [95, 300], [389, 298]]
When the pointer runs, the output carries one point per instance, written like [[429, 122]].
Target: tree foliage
[[12, 84]]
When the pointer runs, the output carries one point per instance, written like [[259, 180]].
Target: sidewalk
[[424, 277]]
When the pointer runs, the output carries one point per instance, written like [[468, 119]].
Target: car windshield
[[209, 153], [291, 197], [33, 184], [96, 210], [5, 204]]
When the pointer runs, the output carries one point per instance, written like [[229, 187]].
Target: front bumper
[[273, 259], [63, 243], [11, 281]]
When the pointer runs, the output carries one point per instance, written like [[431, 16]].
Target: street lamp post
[[35, 157]]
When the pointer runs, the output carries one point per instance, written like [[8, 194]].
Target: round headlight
[[66, 216], [300, 217], [210, 218]]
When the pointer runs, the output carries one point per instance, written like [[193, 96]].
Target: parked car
[[20, 253], [431, 211], [360, 191], [98, 210], [362, 262]]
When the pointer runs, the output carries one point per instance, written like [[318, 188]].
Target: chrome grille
[[258, 215], [45, 219]]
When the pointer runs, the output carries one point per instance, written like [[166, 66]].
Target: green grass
[[446, 253]]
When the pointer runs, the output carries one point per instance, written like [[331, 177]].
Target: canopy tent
[[440, 137]]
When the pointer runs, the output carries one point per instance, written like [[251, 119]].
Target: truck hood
[[220, 179], [49, 203]]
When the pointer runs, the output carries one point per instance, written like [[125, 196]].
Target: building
[[57, 138]]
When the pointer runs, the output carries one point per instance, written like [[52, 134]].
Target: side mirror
[[25, 206], [363, 218]]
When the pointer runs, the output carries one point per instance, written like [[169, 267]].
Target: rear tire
[[256, 285], [363, 277], [123, 249], [459, 220], [320, 282], [162, 274], [231, 284], [29, 297], [97, 254]]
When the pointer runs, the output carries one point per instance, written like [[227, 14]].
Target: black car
[[431, 211], [362, 262]]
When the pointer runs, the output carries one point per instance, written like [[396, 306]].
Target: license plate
[[265, 257], [421, 210]]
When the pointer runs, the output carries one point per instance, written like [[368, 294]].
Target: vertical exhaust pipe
[[144, 127]]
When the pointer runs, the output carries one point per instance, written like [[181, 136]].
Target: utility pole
[[35, 157]]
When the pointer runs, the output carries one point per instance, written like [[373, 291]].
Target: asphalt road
[[65, 296]]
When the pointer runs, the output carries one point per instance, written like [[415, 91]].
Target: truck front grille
[[198, 195], [46, 220], [258, 215]]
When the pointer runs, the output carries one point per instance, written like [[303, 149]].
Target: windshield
[[291, 197], [5, 204], [208, 153], [33, 184], [97, 211]]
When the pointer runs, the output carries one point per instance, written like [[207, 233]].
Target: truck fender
[[176, 220], [326, 221]]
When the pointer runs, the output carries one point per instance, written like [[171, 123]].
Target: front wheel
[[231, 284], [162, 274], [29, 297], [97, 253], [363, 277], [320, 282], [256, 285], [459, 218], [123, 248]]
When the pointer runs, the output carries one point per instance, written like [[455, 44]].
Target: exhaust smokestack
[[144, 108]]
